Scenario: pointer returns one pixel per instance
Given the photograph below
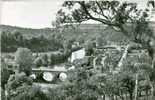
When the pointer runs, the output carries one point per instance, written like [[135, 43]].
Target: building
[[79, 54]]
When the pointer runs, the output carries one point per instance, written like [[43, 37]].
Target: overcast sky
[[29, 13], [32, 13]]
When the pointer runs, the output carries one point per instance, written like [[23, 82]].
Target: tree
[[122, 16], [20, 87], [5, 74], [89, 48], [99, 41], [136, 69], [112, 13], [17, 36], [78, 86], [24, 58], [15, 81], [38, 62], [44, 59], [67, 45]]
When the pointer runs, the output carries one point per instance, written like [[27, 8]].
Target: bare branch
[[95, 18], [99, 6]]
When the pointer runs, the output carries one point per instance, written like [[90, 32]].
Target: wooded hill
[[82, 32], [88, 30]]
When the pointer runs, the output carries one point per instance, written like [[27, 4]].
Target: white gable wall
[[78, 54]]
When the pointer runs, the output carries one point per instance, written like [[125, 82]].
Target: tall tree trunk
[[121, 95], [103, 97], [94, 62], [131, 96], [136, 87], [153, 67], [146, 92], [126, 96], [116, 97], [120, 63], [152, 91], [152, 87], [153, 62]]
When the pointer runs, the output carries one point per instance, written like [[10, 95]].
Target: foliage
[[118, 13], [16, 81], [67, 45], [5, 74], [13, 40], [99, 41], [89, 45], [19, 87], [89, 84], [59, 58], [76, 88], [24, 58], [51, 42], [44, 60], [38, 62], [3, 97], [51, 58], [122, 16]]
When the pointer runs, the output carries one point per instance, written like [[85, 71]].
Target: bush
[[89, 48], [29, 93], [44, 59], [77, 87], [58, 58], [3, 97], [38, 62], [19, 83], [24, 58], [5, 74]]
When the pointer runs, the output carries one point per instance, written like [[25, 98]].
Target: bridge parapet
[[48, 70], [49, 75]]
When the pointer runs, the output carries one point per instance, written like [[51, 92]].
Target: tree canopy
[[24, 59], [112, 13]]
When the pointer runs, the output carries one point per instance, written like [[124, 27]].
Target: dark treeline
[[10, 41], [51, 59]]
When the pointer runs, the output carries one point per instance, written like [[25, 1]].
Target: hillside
[[53, 39], [28, 32], [86, 30]]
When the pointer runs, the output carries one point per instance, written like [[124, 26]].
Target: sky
[[32, 13]]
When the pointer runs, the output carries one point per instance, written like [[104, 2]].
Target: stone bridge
[[49, 74]]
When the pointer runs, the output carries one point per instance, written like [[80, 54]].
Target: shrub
[[27, 92], [5, 74], [58, 58], [38, 62], [24, 58], [44, 59], [18, 83]]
